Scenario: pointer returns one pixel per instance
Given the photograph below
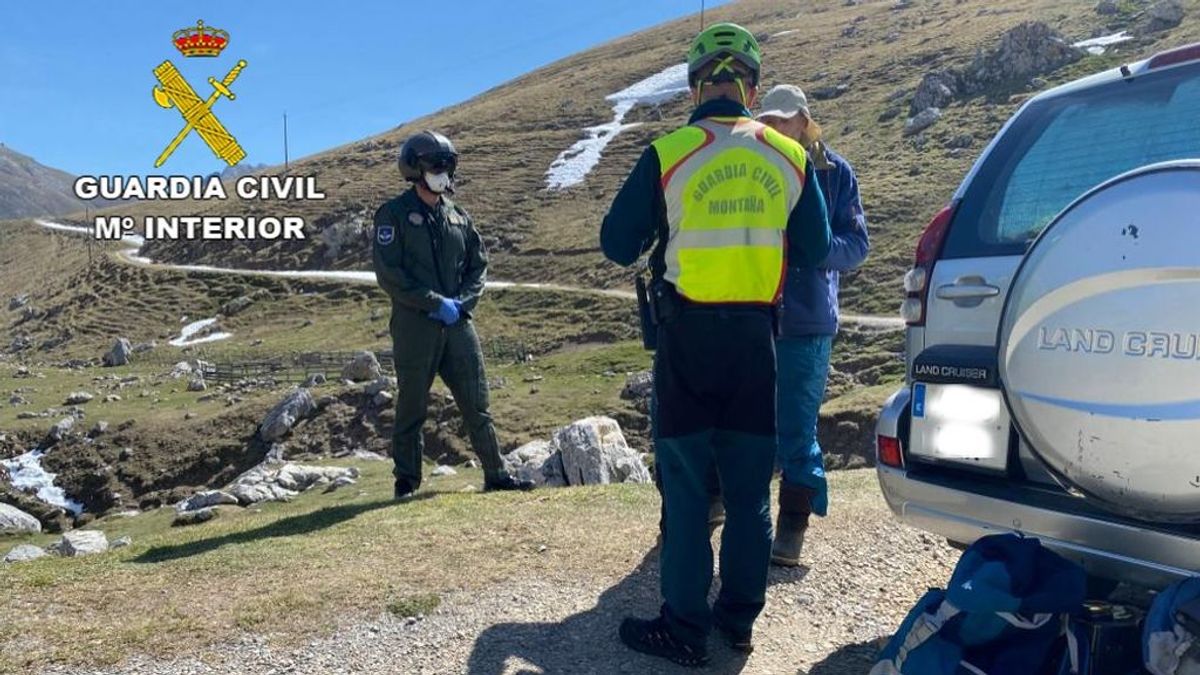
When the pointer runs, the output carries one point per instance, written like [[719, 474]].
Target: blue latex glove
[[447, 312]]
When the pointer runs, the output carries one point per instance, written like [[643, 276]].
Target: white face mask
[[437, 182]]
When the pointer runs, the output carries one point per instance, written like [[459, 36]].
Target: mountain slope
[[31, 189], [861, 60]]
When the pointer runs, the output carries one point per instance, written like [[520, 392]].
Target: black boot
[[507, 481], [654, 638], [402, 489], [737, 640], [795, 507]]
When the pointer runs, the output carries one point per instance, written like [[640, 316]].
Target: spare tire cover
[[1100, 344]]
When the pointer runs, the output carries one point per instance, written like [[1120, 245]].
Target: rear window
[[1060, 148]]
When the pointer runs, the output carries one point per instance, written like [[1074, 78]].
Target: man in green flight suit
[[431, 261]]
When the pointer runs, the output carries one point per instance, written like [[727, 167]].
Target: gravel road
[[864, 571]]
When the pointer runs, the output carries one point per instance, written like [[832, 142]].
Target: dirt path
[[130, 256], [865, 571]]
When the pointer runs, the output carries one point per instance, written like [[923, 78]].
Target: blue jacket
[[638, 215], [810, 296]]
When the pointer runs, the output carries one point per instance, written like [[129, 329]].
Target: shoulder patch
[[416, 218], [385, 234]]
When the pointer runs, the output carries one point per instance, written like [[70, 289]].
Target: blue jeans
[[803, 364]]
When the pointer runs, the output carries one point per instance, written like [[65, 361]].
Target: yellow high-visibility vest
[[730, 184]]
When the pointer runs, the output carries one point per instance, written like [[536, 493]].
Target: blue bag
[[1168, 646], [1007, 610]]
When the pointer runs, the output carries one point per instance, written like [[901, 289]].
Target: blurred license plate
[[961, 424]]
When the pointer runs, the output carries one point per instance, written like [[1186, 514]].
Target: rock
[[118, 354], [20, 343], [890, 114], [98, 429], [205, 499], [126, 454], [112, 398], [79, 398], [300, 477], [82, 542], [961, 141], [382, 399], [184, 518], [17, 399], [1107, 7], [380, 384], [827, 93], [443, 470], [364, 367], [13, 519], [181, 369], [936, 90], [236, 305], [122, 542], [24, 553], [341, 234], [197, 383], [1025, 51], [539, 462], [313, 380], [594, 452], [925, 119], [60, 429], [18, 301], [638, 385], [1164, 15], [254, 493], [340, 482], [295, 406]]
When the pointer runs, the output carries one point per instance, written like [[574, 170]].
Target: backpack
[[1168, 646], [1007, 609]]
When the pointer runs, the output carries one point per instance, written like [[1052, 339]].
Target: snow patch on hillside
[[185, 338], [1098, 45], [574, 164], [26, 474]]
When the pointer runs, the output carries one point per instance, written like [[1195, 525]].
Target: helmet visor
[[438, 162]]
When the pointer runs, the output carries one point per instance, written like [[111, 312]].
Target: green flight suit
[[422, 255]]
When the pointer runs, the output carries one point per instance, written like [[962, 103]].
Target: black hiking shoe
[[402, 490], [508, 482], [654, 638], [738, 641]]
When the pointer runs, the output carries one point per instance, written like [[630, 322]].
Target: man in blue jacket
[[722, 204], [809, 322]]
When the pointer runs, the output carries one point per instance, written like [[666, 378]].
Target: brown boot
[[795, 506]]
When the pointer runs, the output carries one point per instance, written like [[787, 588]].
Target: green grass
[[414, 605]]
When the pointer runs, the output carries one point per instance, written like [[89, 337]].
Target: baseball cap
[[785, 100]]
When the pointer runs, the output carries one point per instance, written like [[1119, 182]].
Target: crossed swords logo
[[174, 91]]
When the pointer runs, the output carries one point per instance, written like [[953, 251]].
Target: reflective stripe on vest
[[730, 185]]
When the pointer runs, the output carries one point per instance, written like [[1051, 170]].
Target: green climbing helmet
[[724, 42]]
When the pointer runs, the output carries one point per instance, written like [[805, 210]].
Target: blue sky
[[75, 77]]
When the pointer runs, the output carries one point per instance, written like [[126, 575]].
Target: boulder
[[340, 482], [1025, 51], [300, 477], [382, 399], [60, 429], [184, 518], [143, 347], [925, 119], [1164, 15], [205, 499], [24, 553], [79, 398], [18, 301], [339, 235], [181, 369], [118, 354], [295, 406], [594, 452], [313, 380], [13, 519], [362, 368], [638, 385], [98, 429], [1107, 7], [82, 542], [936, 90], [197, 383], [539, 462], [236, 305], [443, 470], [122, 542], [254, 492], [380, 384]]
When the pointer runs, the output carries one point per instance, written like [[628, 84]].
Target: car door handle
[[971, 291]]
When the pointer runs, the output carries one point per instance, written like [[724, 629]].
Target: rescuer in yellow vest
[[722, 204]]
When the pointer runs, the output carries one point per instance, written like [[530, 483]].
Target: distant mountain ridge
[[29, 189]]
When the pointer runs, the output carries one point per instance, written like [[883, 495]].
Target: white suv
[[1054, 333]]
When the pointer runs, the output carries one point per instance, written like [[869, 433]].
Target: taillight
[[889, 451], [916, 282], [1175, 56]]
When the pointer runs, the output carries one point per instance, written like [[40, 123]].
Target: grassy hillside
[[28, 188], [509, 136]]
